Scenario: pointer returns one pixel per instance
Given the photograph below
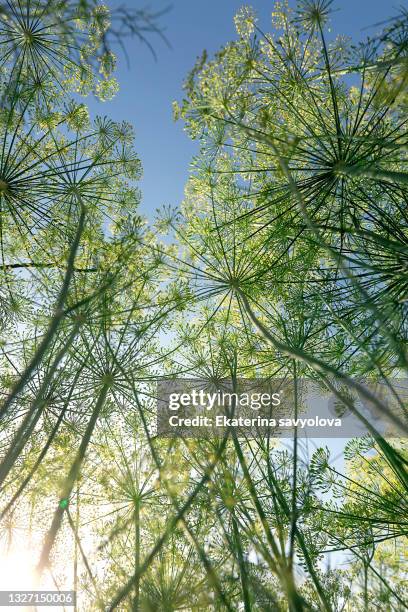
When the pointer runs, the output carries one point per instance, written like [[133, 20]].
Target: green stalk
[[374, 173], [241, 562], [34, 413], [42, 454], [324, 368], [137, 554], [55, 320], [294, 483], [70, 481]]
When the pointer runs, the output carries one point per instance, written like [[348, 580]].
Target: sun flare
[[17, 572]]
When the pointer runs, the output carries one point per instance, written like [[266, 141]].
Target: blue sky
[[148, 87]]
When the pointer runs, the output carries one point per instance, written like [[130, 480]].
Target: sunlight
[[17, 571]]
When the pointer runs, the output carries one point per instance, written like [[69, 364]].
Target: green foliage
[[287, 258]]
